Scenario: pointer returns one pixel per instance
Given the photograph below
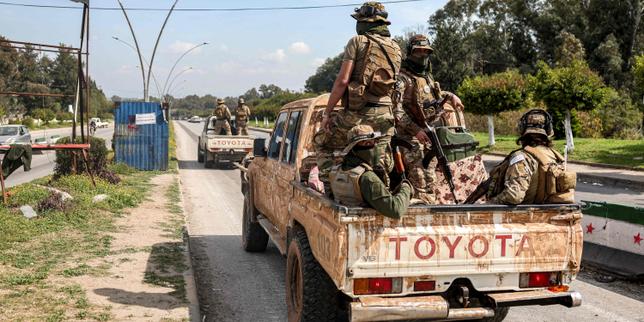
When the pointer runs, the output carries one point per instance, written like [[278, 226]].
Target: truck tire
[[310, 293], [200, 153], [499, 315], [254, 238]]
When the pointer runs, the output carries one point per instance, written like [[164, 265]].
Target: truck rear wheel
[[254, 238], [200, 153], [310, 293]]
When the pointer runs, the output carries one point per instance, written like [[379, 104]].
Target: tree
[[566, 89], [44, 114], [608, 60], [324, 77], [570, 49], [493, 94], [268, 91], [638, 77]]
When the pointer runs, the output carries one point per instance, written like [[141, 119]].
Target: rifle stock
[[480, 191]]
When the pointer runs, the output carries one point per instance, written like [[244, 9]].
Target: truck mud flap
[[435, 307]]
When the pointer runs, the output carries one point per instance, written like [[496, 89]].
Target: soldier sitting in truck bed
[[354, 183]]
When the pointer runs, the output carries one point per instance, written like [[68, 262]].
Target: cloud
[[277, 56], [126, 69], [317, 62], [299, 48], [180, 47]]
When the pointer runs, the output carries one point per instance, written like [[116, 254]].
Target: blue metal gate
[[141, 136]]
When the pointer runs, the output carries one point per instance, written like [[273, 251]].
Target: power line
[[203, 9]]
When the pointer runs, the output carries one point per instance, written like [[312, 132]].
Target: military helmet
[[371, 11], [360, 133], [536, 121], [241, 101], [418, 42], [220, 101]]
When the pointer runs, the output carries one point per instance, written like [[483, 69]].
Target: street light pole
[[154, 77], [138, 51], [175, 78], [157, 44], [177, 62]]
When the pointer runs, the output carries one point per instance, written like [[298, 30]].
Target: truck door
[[285, 171], [264, 186]]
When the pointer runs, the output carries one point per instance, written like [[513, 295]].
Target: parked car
[[14, 134]]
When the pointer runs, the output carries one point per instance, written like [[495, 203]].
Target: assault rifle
[[438, 105], [480, 191]]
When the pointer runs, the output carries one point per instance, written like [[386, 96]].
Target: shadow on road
[[234, 285]]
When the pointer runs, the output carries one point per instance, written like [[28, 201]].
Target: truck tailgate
[[227, 142], [444, 243]]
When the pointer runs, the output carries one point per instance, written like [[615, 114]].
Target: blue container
[[141, 136]]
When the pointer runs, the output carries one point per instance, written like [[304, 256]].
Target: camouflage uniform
[[411, 91], [222, 113], [367, 100], [242, 114], [354, 182], [526, 179]]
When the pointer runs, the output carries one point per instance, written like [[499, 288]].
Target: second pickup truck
[[215, 150]]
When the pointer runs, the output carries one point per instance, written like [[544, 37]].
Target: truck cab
[[438, 262]]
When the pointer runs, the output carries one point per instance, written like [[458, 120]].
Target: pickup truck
[[439, 262], [215, 150]]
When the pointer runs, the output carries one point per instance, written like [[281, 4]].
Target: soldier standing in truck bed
[[415, 89], [242, 114], [222, 113], [365, 84]]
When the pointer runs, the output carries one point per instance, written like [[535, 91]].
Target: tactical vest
[[422, 88], [345, 184], [220, 113], [554, 183], [376, 74], [242, 115]]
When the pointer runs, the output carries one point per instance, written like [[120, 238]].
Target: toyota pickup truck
[[216, 150], [439, 262]]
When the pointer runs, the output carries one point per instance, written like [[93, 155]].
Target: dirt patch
[[147, 274]]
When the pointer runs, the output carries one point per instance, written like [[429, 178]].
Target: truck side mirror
[[259, 148]]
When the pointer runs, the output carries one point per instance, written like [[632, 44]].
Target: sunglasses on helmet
[[423, 42], [369, 11]]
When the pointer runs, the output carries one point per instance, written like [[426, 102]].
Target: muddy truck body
[[216, 150], [440, 262]]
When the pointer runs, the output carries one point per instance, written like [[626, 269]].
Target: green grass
[[607, 151], [260, 124], [32, 250]]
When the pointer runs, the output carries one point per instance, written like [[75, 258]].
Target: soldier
[[242, 114], [222, 113], [536, 173], [354, 183], [414, 91], [365, 84]]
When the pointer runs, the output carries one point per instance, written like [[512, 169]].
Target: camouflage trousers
[[329, 145], [222, 125], [423, 180], [242, 127]]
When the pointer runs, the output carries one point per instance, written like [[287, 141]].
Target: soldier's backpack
[[378, 73], [555, 183]]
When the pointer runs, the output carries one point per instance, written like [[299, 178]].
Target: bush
[[28, 122], [53, 202], [97, 160]]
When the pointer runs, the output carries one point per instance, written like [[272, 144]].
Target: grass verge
[[608, 151], [34, 253]]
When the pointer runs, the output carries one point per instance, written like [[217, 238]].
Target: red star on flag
[[637, 239], [590, 228]]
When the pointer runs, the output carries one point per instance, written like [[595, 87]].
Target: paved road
[[43, 164], [238, 286]]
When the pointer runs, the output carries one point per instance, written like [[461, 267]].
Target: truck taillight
[[366, 286], [538, 279], [420, 286]]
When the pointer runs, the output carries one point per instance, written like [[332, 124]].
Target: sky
[[245, 48]]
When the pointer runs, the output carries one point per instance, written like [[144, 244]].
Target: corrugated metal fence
[[141, 136]]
